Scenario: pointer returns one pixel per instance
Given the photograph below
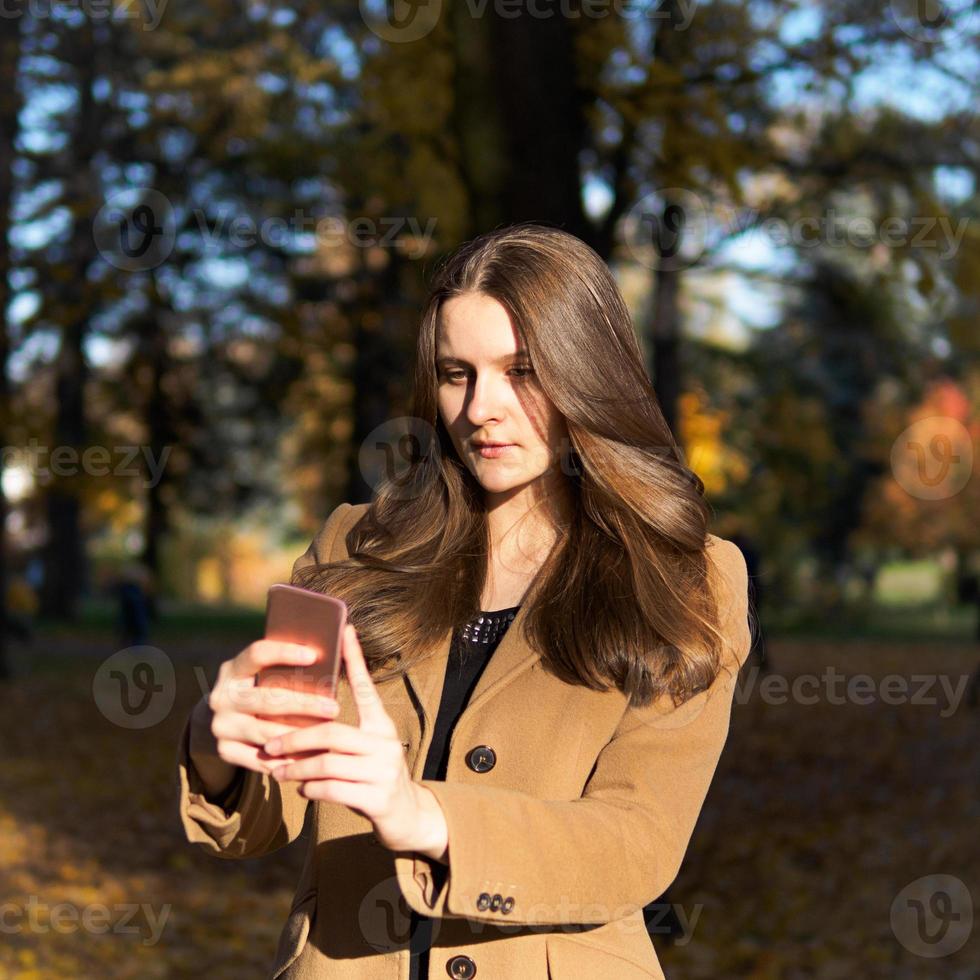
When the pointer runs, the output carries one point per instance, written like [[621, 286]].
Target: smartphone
[[294, 615]]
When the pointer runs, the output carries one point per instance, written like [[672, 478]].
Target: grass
[[923, 621], [99, 615]]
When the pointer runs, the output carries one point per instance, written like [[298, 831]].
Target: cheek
[[450, 407], [559, 431], [555, 423], [543, 421]]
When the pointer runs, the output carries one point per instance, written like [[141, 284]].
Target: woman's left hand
[[362, 767]]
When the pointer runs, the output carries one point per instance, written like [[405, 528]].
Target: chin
[[498, 484], [502, 482]]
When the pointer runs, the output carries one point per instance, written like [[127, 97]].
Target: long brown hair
[[623, 597]]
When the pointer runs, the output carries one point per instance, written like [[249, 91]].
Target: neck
[[527, 521]]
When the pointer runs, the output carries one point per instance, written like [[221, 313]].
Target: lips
[[493, 450]]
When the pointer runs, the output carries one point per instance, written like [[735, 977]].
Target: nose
[[486, 399]]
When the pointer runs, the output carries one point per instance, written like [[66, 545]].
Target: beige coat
[[553, 851]]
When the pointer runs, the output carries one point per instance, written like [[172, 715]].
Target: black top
[[471, 649]]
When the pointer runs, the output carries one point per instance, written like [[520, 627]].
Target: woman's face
[[488, 393]]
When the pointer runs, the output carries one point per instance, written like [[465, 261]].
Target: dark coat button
[[508, 904], [461, 968], [483, 902], [481, 759], [495, 902]]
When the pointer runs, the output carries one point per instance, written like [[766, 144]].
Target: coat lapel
[[512, 656], [425, 678]]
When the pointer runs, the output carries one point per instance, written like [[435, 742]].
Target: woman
[[540, 665]]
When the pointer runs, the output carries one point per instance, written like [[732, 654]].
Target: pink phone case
[[294, 615]]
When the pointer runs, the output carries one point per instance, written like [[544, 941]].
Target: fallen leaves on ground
[[818, 816]]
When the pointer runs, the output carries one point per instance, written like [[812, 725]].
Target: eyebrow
[[517, 355]]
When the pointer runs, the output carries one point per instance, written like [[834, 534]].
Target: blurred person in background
[[133, 586]]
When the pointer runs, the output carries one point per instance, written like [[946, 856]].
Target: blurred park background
[[217, 223]]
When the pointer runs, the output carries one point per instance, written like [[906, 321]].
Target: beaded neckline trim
[[488, 625]]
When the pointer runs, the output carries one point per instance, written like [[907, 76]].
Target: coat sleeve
[[256, 814], [615, 849]]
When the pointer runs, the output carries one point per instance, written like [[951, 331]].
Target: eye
[[455, 374]]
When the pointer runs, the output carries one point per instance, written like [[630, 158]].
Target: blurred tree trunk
[[64, 552], [519, 122], [858, 338], [158, 418], [665, 332], [665, 329], [10, 106], [378, 335], [544, 131]]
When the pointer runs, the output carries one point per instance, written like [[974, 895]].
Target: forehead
[[476, 327]]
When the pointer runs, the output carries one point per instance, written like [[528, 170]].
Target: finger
[[273, 700], [370, 710], [255, 757], [241, 727], [249, 756], [357, 796], [269, 653], [355, 769], [332, 735]]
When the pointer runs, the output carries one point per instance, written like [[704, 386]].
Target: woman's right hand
[[236, 703]]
